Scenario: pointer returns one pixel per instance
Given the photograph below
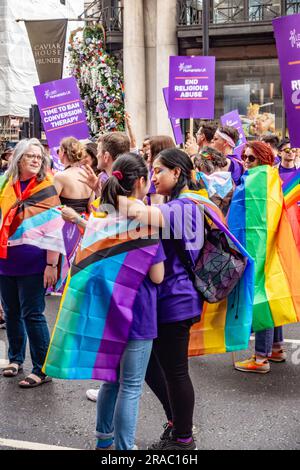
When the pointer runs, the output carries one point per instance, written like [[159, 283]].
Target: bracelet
[[51, 265], [78, 220]]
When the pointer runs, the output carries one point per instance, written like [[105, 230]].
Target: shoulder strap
[[182, 253]]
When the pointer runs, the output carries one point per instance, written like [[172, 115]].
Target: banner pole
[[191, 128]]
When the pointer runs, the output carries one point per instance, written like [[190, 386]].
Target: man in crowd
[[110, 146], [288, 165], [204, 137], [272, 141], [225, 141]]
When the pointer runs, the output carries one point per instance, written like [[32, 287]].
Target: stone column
[[134, 66], [161, 42]]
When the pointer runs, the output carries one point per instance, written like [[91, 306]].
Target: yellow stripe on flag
[[276, 283]]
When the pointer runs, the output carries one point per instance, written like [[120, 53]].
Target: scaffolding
[[18, 72]]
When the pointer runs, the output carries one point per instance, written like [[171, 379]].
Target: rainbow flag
[[291, 194], [95, 315], [259, 218], [225, 326]]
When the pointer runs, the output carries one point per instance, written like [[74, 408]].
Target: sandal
[[12, 370], [33, 380]]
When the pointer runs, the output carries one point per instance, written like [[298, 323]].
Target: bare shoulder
[[59, 176]]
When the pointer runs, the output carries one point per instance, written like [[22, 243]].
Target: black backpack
[[219, 267]]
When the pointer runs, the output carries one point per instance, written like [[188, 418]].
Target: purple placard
[[192, 87], [175, 123], [62, 111], [287, 35], [233, 119]]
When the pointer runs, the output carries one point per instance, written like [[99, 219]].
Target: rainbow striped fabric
[[34, 220], [225, 326], [95, 315], [37, 221], [260, 220], [291, 194]]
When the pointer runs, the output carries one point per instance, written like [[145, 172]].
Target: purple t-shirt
[[23, 260], [144, 324], [177, 298], [277, 160], [152, 189], [103, 177], [286, 173]]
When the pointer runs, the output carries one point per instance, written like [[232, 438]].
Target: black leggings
[[168, 375]]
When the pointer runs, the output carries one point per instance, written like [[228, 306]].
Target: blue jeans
[[118, 403], [23, 302], [264, 341]]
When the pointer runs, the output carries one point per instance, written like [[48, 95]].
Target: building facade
[[240, 37]]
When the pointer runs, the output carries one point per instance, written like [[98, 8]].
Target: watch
[[52, 265]]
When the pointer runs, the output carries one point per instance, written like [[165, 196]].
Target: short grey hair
[[20, 149]]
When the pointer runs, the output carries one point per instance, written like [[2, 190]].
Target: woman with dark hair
[[179, 304], [117, 403], [157, 144], [25, 270], [91, 156]]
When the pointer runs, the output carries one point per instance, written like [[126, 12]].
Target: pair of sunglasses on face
[[288, 150], [250, 158]]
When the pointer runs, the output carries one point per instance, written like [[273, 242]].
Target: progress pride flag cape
[[34, 218], [95, 315]]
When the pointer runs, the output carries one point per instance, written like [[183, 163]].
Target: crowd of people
[[143, 184]]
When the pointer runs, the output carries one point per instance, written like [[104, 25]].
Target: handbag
[[219, 267]]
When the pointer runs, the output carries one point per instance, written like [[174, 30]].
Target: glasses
[[250, 158], [288, 150], [32, 156]]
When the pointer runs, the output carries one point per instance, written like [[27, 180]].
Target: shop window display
[[253, 87]]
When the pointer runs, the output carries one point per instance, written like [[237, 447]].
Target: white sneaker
[[92, 394]]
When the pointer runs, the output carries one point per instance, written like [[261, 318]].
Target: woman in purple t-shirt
[[117, 403], [179, 304]]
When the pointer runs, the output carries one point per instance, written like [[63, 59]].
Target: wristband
[[52, 265]]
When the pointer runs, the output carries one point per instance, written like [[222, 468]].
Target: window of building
[[264, 10], [253, 87], [292, 7], [228, 11]]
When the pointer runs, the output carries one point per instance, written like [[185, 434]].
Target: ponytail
[[127, 169]]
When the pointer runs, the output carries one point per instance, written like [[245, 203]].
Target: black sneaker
[[167, 432], [173, 444]]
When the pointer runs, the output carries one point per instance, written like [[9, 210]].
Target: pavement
[[233, 410]]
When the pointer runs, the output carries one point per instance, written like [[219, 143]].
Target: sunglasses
[[288, 150], [250, 158]]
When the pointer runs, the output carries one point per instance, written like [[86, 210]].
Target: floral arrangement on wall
[[99, 80]]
